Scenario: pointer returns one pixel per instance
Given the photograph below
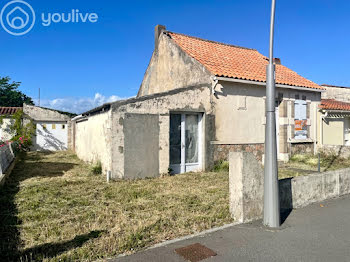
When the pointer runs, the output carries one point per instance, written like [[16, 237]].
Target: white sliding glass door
[[185, 142]]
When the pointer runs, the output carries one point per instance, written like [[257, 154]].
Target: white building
[[52, 127]]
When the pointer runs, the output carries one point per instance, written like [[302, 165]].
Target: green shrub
[[299, 158], [97, 168], [221, 165]]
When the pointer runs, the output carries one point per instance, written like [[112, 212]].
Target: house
[[334, 120], [52, 126], [199, 99], [335, 123]]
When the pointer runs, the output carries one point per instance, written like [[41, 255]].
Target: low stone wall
[[304, 190], [246, 187], [221, 151], [341, 151], [302, 148], [6, 158]]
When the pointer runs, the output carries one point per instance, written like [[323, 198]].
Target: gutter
[[77, 118], [227, 79], [326, 111]]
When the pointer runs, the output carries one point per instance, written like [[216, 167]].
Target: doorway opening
[[186, 140]]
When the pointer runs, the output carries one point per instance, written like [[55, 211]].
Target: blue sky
[[80, 65]]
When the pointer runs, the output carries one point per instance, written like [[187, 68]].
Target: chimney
[[157, 31], [277, 61]]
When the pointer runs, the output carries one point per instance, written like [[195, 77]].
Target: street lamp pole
[[271, 192]]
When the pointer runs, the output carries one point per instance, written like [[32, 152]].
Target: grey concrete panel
[[141, 146]]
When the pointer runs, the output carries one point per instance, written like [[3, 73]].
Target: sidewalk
[[319, 232]]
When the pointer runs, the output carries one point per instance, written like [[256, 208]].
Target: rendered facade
[[199, 99]]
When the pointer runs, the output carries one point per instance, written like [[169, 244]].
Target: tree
[[10, 96]]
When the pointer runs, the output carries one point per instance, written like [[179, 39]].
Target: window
[[53, 126], [63, 126], [300, 119], [44, 126]]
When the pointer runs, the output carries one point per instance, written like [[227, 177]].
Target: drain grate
[[195, 252]]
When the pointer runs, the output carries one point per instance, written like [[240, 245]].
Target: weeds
[[56, 211], [303, 164], [97, 168], [221, 166]]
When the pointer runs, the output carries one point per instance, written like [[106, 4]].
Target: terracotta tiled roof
[[9, 110], [332, 104], [236, 62]]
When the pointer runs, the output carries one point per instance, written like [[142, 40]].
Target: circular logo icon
[[17, 17]]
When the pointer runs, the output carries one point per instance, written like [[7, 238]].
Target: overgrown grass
[[303, 164], [52, 209], [97, 168], [221, 166]]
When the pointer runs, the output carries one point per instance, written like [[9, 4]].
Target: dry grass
[[304, 164], [54, 209]]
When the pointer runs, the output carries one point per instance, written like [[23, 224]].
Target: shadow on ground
[[10, 244], [50, 250]]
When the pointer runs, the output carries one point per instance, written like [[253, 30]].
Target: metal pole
[[271, 192]]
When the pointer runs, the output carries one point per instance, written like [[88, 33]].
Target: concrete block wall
[[304, 190], [246, 187]]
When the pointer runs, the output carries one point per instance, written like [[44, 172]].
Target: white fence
[[6, 157]]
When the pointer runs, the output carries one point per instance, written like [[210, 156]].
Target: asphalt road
[[319, 232]]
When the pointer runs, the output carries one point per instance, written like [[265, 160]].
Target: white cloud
[[77, 105]]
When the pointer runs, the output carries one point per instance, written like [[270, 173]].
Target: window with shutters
[[300, 119]]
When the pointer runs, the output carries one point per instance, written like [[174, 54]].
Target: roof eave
[[335, 110], [229, 79]]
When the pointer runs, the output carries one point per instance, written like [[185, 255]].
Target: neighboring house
[[334, 118], [52, 128], [6, 121], [199, 99]]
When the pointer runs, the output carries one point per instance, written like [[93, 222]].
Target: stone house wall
[[160, 105], [337, 93], [131, 137], [171, 68], [240, 119]]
